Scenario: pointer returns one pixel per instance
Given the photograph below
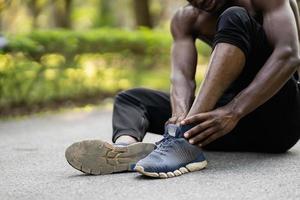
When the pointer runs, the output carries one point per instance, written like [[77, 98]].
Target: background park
[[62, 62], [58, 53]]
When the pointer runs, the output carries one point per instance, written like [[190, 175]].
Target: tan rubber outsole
[[97, 157], [183, 170]]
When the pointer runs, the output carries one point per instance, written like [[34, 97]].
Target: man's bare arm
[[184, 62], [295, 9], [281, 30]]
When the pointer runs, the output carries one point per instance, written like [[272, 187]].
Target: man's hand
[[210, 125], [176, 119]]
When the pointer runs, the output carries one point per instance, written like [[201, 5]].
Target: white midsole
[[196, 166]]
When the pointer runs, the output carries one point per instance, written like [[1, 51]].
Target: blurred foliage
[[46, 66], [70, 43], [70, 50], [26, 15]]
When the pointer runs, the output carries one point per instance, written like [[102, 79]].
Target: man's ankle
[[126, 139]]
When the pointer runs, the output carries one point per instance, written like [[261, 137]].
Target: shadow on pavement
[[222, 161]]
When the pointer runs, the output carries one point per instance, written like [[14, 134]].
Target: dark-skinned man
[[249, 99]]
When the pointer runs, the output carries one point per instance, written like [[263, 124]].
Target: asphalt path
[[33, 166]]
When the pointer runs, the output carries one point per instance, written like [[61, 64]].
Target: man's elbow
[[290, 56], [295, 62]]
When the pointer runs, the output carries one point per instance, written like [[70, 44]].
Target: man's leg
[[137, 111]]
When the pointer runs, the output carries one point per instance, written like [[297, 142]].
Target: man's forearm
[[226, 63], [182, 95], [295, 9], [184, 62], [275, 73]]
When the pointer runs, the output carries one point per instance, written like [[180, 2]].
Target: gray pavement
[[33, 166]]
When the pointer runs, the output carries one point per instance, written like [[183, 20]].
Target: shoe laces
[[164, 145]]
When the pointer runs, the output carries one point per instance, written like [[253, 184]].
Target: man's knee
[[130, 94]]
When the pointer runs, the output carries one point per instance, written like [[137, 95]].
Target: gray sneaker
[[173, 156], [97, 157]]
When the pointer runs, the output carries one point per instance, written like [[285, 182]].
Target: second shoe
[[173, 156]]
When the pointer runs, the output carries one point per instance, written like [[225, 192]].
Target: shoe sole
[[97, 157], [192, 167]]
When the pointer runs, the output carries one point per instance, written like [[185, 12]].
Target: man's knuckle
[[214, 136], [196, 140], [211, 138], [214, 122], [198, 137], [199, 127], [191, 132], [204, 134], [210, 131], [218, 121], [211, 122], [207, 141]]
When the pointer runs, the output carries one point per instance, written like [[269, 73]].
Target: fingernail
[[182, 122], [191, 141], [186, 135], [200, 145]]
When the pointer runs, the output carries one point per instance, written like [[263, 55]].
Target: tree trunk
[[62, 13], [142, 13], [34, 11], [3, 6]]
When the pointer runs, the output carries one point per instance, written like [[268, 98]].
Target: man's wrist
[[235, 109], [179, 114]]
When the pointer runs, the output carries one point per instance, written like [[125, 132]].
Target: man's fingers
[[194, 119], [198, 129], [172, 120], [210, 139], [202, 136]]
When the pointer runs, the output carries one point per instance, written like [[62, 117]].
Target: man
[[249, 99]]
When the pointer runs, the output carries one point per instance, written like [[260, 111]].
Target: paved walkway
[[33, 166]]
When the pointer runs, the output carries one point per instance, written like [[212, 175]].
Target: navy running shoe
[[173, 156]]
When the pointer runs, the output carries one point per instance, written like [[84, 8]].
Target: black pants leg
[[273, 127], [139, 110]]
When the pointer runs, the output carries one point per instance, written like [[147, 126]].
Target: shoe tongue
[[176, 131], [173, 130]]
